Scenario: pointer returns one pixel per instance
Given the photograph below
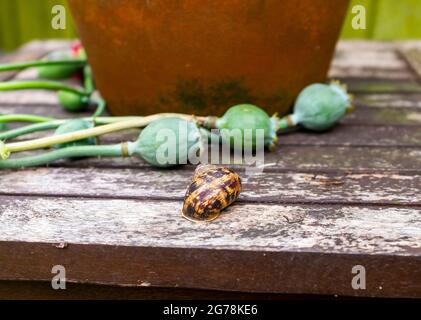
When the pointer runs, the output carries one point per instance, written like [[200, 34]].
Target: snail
[[245, 117], [212, 189], [319, 107]]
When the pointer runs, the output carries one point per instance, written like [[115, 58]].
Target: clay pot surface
[[203, 56]]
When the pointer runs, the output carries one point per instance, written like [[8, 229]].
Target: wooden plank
[[376, 46], [376, 188], [231, 270], [364, 45], [413, 57], [265, 227], [361, 85], [29, 97], [373, 60], [364, 115], [132, 243], [340, 136], [369, 64], [394, 111], [309, 159], [342, 72], [50, 110], [389, 101], [38, 98], [41, 290], [357, 135]]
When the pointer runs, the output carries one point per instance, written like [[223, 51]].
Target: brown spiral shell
[[213, 188]]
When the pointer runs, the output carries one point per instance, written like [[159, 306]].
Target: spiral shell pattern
[[213, 188]]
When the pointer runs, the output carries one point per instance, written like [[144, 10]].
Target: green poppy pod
[[320, 106], [243, 122], [168, 142], [72, 126], [71, 101], [56, 72]]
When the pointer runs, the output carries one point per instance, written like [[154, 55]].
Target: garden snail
[[213, 188]]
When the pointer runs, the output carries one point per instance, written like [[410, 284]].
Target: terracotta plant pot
[[203, 56]]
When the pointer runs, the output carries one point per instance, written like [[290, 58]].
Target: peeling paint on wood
[[316, 228], [377, 188]]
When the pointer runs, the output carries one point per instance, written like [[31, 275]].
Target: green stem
[[69, 152], [10, 134], [23, 118], [54, 124], [40, 63], [91, 132], [101, 104], [88, 81], [288, 121], [49, 85]]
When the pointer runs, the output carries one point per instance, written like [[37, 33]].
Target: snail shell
[[212, 189]]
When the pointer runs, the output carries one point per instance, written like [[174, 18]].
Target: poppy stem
[[23, 118], [139, 122], [49, 85], [41, 63], [68, 152]]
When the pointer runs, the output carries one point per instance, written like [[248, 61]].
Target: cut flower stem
[[135, 122], [42, 63], [68, 152], [35, 84]]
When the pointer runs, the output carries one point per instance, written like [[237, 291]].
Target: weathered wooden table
[[327, 202]]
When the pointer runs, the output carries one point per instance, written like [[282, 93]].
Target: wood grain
[[225, 269], [330, 201], [388, 101], [413, 57], [385, 64], [308, 159], [41, 290], [340, 136], [264, 227], [250, 241], [362, 85], [380, 188], [395, 110]]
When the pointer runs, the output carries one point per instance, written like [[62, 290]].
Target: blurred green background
[[23, 20]]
